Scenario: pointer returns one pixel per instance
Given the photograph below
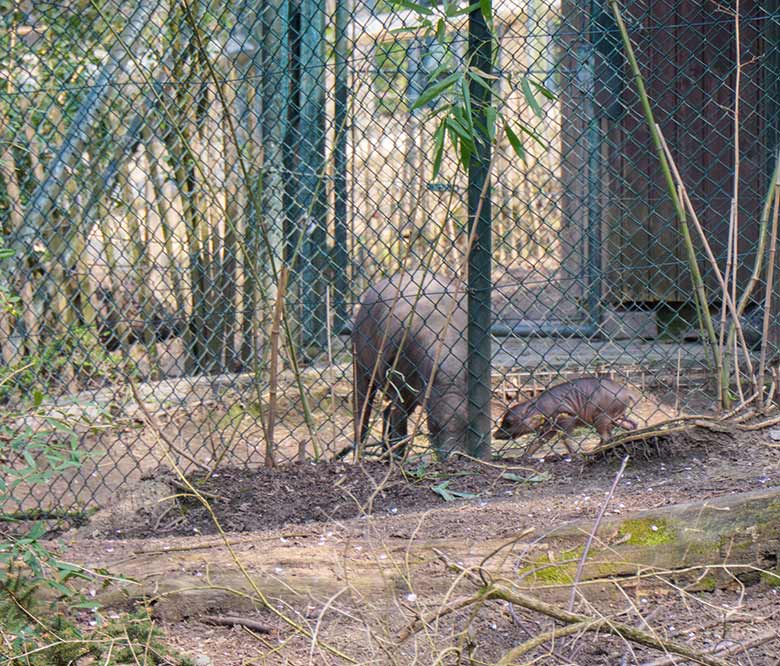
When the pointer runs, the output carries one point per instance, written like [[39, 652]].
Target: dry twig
[[234, 621], [592, 534]]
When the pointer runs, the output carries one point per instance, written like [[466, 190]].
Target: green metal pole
[[480, 55], [340, 255], [312, 159]]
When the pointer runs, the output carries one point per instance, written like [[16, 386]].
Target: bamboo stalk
[[273, 377], [91, 110], [755, 276], [698, 283], [331, 374], [228, 286], [11, 353], [139, 267], [723, 309], [733, 234], [154, 156], [263, 231], [770, 269], [710, 256], [735, 198], [213, 237], [180, 146]]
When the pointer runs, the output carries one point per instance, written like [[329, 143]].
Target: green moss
[[553, 574], [572, 554], [771, 578], [646, 532], [559, 571], [607, 570], [707, 584]]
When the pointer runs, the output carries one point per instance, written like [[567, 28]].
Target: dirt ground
[[685, 468], [304, 505], [216, 422]]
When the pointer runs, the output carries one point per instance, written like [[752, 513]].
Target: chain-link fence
[[195, 195]]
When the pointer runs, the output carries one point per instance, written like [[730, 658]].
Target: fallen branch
[[586, 623], [43, 514], [442, 611], [683, 545], [734, 649], [235, 560], [550, 636], [234, 621], [507, 468], [578, 623]]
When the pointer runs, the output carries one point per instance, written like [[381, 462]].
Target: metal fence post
[[593, 232], [479, 260], [313, 223], [340, 252], [291, 160]]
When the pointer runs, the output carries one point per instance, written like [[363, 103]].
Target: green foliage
[[38, 633], [56, 640], [76, 355], [8, 300], [54, 74], [448, 495], [134, 638], [27, 568], [449, 87], [390, 80]]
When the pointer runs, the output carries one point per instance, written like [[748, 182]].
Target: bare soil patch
[[302, 506], [687, 467]]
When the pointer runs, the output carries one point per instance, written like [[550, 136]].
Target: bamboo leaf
[[515, 142], [544, 90], [491, 113], [449, 495], [534, 478], [468, 111], [441, 32], [438, 142], [405, 28], [455, 125], [420, 9], [465, 10], [479, 80], [466, 151], [435, 90], [487, 10], [529, 97], [485, 75], [527, 130]]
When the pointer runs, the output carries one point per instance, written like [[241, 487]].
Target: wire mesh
[[169, 169]]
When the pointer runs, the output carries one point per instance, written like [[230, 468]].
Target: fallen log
[[703, 544]]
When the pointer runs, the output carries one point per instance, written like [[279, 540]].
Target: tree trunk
[[680, 541]]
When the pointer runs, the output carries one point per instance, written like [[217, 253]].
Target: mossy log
[[691, 543]]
